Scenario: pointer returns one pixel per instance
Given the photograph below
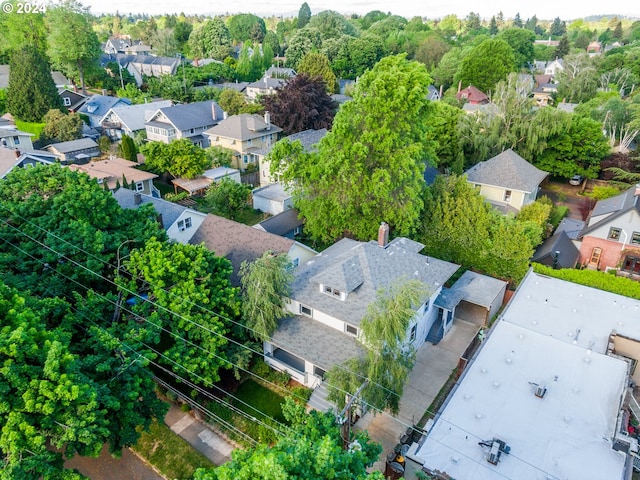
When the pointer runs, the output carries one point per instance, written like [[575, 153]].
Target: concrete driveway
[[434, 364]]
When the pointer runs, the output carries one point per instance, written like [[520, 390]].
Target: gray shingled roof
[[507, 170], [571, 227], [169, 211], [379, 267], [478, 289], [309, 339], [276, 192], [237, 242], [193, 115], [308, 138], [559, 242], [613, 207], [282, 223], [133, 117], [74, 145], [242, 127], [268, 82], [99, 105]]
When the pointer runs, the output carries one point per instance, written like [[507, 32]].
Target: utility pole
[[344, 418]]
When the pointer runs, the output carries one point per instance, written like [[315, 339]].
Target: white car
[[575, 180]]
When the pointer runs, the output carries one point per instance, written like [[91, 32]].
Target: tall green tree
[[246, 27], [22, 30], [369, 168], [211, 40], [180, 158], [521, 41], [192, 297], [388, 357], [315, 64], [558, 27], [72, 43], [312, 449], [487, 64], [563, 47], [266, 283], [128, 149], [304, 15], [31, 92], [462, 227]]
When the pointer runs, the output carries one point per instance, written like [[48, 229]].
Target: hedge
[[593, 278]]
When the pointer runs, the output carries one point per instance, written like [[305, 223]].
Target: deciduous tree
[[302, 104], [316, 64], [180, 158], [62, 127], [73, 45], [265, 286], [228, 198], [369, 167], [521, 41], [246, 26], [211, 40], [487, 64]]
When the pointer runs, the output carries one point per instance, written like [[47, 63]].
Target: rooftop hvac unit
[[540, 391]]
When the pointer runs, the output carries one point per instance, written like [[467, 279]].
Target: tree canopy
[[62, 127], [311, 449], [369, 168], [487, 64], [302, 104], [31, 92], [180, 158]]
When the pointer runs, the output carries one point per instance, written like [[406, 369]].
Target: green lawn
[[169, 453], [261, 398]]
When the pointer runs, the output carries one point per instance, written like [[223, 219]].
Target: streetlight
[[184, 84]]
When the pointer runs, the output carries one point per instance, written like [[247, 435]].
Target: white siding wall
[[183, 236], [629, 223]]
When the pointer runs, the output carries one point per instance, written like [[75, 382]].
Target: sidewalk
[[199, 435]]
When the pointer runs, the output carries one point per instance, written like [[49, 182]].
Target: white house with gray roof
[[179, 222], [97, 106], [189, 120], [507, 181], [330, 295], [129, 119]]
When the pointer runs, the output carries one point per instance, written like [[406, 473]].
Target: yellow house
[[246, 135]]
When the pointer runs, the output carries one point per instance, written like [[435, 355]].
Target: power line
[[412, 427], [188, 301]]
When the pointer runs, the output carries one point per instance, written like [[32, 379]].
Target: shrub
[[605, 191], [185, 407], [557, 214]]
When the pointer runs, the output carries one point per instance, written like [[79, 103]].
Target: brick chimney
[[137, 198], [383, 234]]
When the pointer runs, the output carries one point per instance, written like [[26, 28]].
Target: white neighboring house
[[179, 222], [272, 199], [547, 395], [11, 137], [554, 67], [330, 295], [129, 119], [220, 173], [188, 120]]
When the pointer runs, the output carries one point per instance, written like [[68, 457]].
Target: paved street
[[105, 467]]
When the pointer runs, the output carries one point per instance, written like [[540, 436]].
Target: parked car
[[576, 180]]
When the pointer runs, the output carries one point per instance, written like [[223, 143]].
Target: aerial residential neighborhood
[[319, 243]]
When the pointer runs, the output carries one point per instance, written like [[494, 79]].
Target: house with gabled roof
[[472, 95], [139, 65], [246, 134], [97, 106], [124, 44], [239, 242], [189, 120], [11, 158], [115, 172], [81, 150], [264, 86], [611, 237], [178, 221], [286, 224], [11, 137], [71, 99], [329, 298], [129, 119], [507, 181]]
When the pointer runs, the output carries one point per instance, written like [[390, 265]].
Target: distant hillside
[[597, 18]]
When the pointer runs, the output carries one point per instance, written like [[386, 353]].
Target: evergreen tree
[[31, 92], [558, 27], [563, 47], [617, 32], [493, 26], [128, 149], [304, 15], [517, 21]]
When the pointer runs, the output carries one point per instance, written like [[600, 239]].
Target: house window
[[304, 310], [139, 186], [192, 131], [412, 334], [507, 195], [16, 140], [350, 329], [66, 101], [635, 238], [426, 306], [249, 142], [631, 264], [184, 224], [245, 159], [332, 291], [614, 233]]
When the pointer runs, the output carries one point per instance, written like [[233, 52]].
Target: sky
[[543, 9]]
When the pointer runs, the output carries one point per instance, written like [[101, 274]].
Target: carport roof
[[478, 289]]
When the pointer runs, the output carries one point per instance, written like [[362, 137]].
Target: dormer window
[[334, 292]]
